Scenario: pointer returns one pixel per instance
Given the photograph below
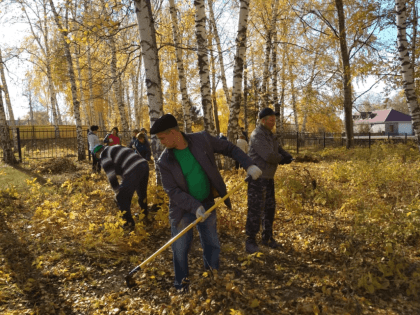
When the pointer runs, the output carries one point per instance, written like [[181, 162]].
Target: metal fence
[[49, 143]]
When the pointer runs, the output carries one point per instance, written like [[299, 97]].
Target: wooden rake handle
[[180, 234]]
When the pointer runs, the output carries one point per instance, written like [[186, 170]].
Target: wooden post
[[369, 140], [324, 140], [297, 142]]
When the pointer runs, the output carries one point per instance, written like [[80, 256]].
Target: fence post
[[297, 142], [405, 138], [18, 143], [324, 140], [369, 140], [88, 144]]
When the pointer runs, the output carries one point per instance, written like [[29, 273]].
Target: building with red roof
[[385, 121]]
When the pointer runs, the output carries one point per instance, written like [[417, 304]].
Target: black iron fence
[[299, 142], [50, 143]]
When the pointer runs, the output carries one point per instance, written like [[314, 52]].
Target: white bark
[[234, 108], [76, 104], [82, 94], [90, 81], [6, 142], [151, 65], [186, 105], [203, 64], [406, 67], [8, 103], [269, 35]]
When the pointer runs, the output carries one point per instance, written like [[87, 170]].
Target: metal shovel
[[129, 278]]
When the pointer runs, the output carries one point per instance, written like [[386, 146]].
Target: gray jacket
[[202, 146], [265, 151]]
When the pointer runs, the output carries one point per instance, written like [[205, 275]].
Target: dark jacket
[[202, 146], [265, 151], [143, 149], [132, 142]]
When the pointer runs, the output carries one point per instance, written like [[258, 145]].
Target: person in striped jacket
[[133, 169]]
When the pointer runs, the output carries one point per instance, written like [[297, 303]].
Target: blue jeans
[[209, 242]]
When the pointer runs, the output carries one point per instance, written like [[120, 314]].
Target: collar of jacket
[[265, 130], [171, 154]]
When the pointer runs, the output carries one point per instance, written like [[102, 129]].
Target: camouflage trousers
[[261, 205]]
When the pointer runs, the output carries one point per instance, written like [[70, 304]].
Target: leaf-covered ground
[[349, 226]]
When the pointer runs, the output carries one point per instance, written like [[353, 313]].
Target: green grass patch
[[10, 176]]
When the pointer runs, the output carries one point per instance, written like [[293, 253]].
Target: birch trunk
[[6, 142], [186, 105], [219, 51], [8, 103], [268, 45], [203, 64], [149, 50], [81, 155], [213, 93], [246, 96], [135, 83], [346, 74], [90, 102], [234, 108], [292, 91], [406, 67], [82, 94], [118, 91], [274, 76], [129, 113]]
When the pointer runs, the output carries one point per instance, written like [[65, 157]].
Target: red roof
[[385, 115]]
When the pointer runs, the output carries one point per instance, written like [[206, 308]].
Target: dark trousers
[[96, 164], [135, 181], [261, 205]]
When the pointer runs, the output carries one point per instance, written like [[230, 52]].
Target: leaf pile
[[348, 225], [56, 166]]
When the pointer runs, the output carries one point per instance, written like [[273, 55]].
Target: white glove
[[201, 213], [254, 172]]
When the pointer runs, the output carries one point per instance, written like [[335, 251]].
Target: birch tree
[[186, 105], [234, 108], [8, 103], [149, 52], [6, 142], [203, 64], [268, 46], [406, 66], [81, 155]]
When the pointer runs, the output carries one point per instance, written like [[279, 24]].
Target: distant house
[[385, 121]]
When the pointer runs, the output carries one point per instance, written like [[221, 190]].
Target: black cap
[[267, 112], [163, 123]]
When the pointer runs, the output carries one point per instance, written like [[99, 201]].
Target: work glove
[[254, 172], [286, 160], [201, 213]]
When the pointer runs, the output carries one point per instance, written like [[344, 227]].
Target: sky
[[11, 34]]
